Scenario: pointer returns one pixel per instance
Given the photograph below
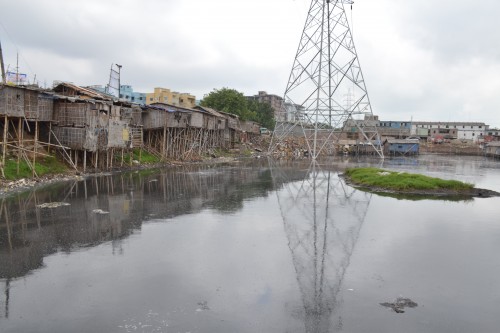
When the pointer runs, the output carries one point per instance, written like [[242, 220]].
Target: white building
[[470, 131]]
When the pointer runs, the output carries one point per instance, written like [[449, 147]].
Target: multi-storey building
[[276, 103], [127, 93], [470, 131], [164, 95], [396, 129]]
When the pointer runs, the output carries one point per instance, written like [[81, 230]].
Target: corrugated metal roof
[[213, 112], [168, 107], [451, 123], [403, 141], [84, 91]]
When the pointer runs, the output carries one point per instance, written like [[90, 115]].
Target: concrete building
[[492, 149], [395, 129], [127, 93], [465, 131], [276, 103], [164, 95]]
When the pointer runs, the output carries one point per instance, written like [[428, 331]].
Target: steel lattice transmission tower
[[326, 96]]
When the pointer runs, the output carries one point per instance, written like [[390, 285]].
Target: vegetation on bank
[[402, 181], [141, 156], [43, 166]]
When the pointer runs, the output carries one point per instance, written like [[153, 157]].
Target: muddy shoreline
[[10, 187]]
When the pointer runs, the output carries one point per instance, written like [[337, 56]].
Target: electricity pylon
[[322, 217], [326, 98]]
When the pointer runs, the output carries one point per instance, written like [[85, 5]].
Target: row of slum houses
[[95, 130]]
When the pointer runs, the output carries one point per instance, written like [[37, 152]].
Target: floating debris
[[203, 306], [100, 211], [52, 205], [400, 304]]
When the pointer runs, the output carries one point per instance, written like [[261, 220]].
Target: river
[[262, 246]]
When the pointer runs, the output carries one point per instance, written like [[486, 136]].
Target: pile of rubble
[[291, 148]]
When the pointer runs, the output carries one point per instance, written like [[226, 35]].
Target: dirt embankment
[[450, 149]]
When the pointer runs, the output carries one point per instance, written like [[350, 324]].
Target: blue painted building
[[127, 93], [403, 147]]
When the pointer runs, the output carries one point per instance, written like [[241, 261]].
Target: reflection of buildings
[[28, 233], [322, 219]]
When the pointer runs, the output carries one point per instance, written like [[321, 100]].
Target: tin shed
[[403, 147]]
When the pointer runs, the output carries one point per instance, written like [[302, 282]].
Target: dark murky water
[[253, 248]]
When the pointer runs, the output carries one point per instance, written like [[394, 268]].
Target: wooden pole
[[5, 129], [34, 148], [164, 145], [19, 144], [84, 160], [50, 134], [2, 67]]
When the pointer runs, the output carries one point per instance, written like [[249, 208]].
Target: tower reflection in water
[[322, 217]]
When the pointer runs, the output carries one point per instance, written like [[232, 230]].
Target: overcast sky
[[422, 60]]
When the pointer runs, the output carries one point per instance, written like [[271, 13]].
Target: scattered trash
[[100, 211], [52, 205], [400, 304], [203, 306]]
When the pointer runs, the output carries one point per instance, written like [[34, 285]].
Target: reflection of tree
[[322, 220], [231, 199]]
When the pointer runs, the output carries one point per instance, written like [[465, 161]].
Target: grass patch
[[219, 152], [402, 180], [43, 166], [137, 155]]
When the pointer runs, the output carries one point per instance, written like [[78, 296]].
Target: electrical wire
[[17, 48]]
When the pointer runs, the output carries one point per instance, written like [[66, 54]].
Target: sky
[[422, 60]]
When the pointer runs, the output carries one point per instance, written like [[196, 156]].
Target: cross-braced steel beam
[[326, 95]]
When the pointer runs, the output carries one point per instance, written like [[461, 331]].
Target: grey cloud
[[453, 30]]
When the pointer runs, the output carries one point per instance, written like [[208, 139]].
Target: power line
[[11, 39]]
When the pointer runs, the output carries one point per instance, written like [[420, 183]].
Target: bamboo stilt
[[35, 148], [4, 152], [50, 131], [19, 152]]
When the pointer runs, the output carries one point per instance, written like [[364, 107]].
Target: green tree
[[233, 101], [264, 113], [228, 100]]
